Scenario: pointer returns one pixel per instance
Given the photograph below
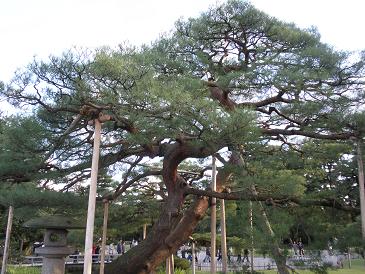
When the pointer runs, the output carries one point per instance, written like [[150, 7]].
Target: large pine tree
[[219, 83]]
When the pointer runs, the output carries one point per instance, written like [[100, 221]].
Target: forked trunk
[[173, 227], [166, 236]]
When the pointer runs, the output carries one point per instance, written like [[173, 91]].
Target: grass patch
[[23, 270], [355, 264]]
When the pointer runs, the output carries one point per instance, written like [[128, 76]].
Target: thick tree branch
[[132, 166], [178, 152], [125, 186], [265, 102], [280, 200]]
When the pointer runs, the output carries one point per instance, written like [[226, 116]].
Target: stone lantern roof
[[55, 222]]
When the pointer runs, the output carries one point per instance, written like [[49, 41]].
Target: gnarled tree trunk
[[167, 235], [174, 226]]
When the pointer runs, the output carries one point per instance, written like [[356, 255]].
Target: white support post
[[349, 256], [144, 231], [92, 200], [172, 263], [223, 237], [193, 254], [7, 239], [168, 265], [360, 165], [213, 218], [103, 241], [252, 242]]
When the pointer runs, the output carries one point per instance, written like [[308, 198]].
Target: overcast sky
[[42, 27]]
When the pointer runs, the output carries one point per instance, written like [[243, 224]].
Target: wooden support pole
[[172, 263], [7, 239], [92, 200], [213, 220], [193, 254], [167, 266], [144, 231], [252, 243], [103, 241], [360, 165], [349, 256], [21, 245], [223, 237]]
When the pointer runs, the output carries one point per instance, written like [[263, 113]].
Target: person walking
[[295, 248], [119, 247], [239, 258], [245, 255], [229, 254], [123, 247], [301, 248], [207, 255], [219, 255]]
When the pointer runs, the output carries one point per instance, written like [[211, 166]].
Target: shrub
[[180, 263]]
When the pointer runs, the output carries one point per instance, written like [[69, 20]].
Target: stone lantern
[[55, 249]]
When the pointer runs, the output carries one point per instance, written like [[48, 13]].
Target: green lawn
[[23, 270], [356, 264]]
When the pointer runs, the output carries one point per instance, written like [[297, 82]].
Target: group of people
[[245, 256], [187, 254], [207, 257], [111, 249], [298, 248], [121, 247]]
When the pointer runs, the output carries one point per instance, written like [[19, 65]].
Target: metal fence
[[71, 259], [234, 266], [311, 259]]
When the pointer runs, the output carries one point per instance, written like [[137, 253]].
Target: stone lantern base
[[53, 259]]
